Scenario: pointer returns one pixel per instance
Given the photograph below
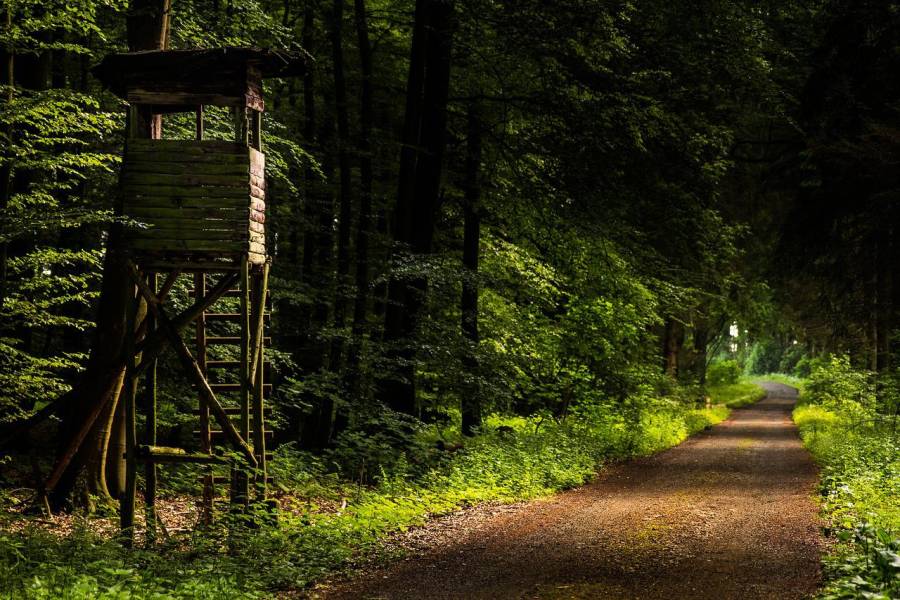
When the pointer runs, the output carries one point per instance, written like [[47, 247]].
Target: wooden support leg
[[129, 391], [150, 428], [240, 479], [257, 378], [205, 435]]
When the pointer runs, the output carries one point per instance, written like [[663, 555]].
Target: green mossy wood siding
[[198, 197]]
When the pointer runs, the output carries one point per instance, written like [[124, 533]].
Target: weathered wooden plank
[[162, 454], [191, 229], [189, 146], [189, 179], [179, 167], [150, 97], [211, 203], [208, 191], [227, 213], [191, 224], [182, 245], [169, 156], [189, 235], [206, 218]]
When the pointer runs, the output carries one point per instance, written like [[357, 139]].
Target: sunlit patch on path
[[728, 514]]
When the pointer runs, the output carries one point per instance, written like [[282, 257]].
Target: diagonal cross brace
[[157, 342], [151, 348], [192, 368]]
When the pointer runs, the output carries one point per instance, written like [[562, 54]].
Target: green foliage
[[57, 165], [836, 385], [736, 395], [723, 372], [860, 481]]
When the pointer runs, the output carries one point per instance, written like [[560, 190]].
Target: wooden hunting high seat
[[201, 206], [201, 201]]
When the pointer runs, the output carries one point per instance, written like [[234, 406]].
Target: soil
[[730, 513]]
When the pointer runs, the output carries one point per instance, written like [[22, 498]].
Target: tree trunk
[[309, 135], [364, 222], [317, 432], [147, 29], [344, 203], [470, 405], [393, 390], [420, 179], [670, 348], [701, 345]]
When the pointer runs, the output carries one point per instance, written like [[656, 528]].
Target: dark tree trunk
[[470, 405], [318, 429], [670, 347], [309, 135], [98, 392], [701, 345], [364, 223], [344, 202], [395, 391], [420, 180]]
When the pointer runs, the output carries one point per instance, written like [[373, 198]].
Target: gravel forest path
[[727, 514]]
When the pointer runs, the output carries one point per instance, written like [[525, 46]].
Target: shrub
[[723, 372], [835, 384]]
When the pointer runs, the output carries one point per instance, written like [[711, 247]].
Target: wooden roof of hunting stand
[[203, 201], [218, 77]]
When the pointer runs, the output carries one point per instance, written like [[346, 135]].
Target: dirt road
[[727, 514]]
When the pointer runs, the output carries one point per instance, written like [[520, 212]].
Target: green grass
[[736, 395], [315, 538], [860, 498]]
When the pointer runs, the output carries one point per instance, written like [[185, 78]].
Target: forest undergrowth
[[330, 522], [847, 424]]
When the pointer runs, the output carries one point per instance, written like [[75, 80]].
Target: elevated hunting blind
[[201, 208]]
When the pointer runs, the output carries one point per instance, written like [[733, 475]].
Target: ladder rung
[[229, 316], [236, 410], [215, 340], [161, 454], [221, 364], [227, 479], [218, 433], [224, 364], [236, 387], [232, 293]]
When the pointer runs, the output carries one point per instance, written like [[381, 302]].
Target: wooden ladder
[[237, 406], [245, 403]]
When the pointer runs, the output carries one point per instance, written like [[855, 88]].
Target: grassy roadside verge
[[859, 454], [327, 522], [736, 395]]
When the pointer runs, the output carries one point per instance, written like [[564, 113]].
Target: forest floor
[[729, 513]]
